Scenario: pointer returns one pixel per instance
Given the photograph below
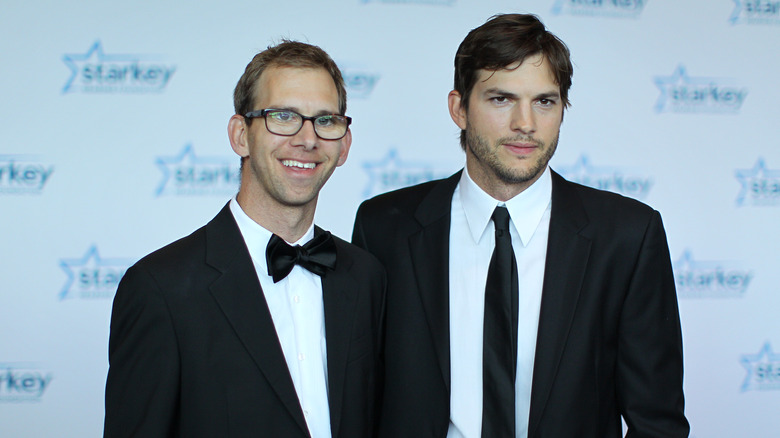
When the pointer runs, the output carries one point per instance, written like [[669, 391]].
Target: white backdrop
[[113, 143]]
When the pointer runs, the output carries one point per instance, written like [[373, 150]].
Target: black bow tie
[[316, 255]]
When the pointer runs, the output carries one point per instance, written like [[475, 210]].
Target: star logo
[[390, 173], [617, 9], [423, 2], [98, 72], [709, 279], [760, 185], [23, 174], [359, 83], [763, 370], [755, 12], [607, 178], [683, 93], [92, 276], [188, 174], [22, 382], [76, 62]]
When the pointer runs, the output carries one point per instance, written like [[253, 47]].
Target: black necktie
[[316, 255], [499, 351]]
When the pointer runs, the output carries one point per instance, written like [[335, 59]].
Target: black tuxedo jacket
[[609, 341], [193, 351]]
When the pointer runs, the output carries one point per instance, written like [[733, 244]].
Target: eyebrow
[[502, 93], [297, 110]]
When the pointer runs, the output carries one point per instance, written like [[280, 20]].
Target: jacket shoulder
[[364, 260], [405, 201], [598, 200], [177, 252]]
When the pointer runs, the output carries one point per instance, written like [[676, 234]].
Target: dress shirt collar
[[526, 209], [256, 237]]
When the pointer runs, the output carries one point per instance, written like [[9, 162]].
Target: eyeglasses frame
[[263, 112]]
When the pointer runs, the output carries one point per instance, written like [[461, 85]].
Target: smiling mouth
[[298, 164]]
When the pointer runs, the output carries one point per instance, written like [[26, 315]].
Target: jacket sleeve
[[649, 362], [142, 388], [358, 234]]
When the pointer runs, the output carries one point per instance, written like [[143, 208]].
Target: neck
[[495, 187], [290, 222]]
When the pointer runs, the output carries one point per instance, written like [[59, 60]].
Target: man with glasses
[[520, 304], [260, 323]]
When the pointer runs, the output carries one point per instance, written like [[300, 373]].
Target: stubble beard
[[488, 156]]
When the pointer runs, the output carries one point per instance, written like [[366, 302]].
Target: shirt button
[[297, 299], [301, 356]]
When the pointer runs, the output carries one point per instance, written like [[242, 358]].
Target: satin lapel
[[430, 254], [238, 293], [567, 256], [340, 300]]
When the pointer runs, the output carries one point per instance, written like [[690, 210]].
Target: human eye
[[282, 116], [547, 102], [500, 100], [326, 121]]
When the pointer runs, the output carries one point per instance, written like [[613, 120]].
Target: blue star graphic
[[737, 11], [749, 361], [76, 61], [360, 83], [582, 168], [667, 83], [685, 261], [391, 162], [747, 176], [186, 156], [630, 9], [90, 258], [426, 2], [557, 7]]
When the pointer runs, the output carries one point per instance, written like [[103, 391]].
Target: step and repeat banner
[[113, 142]]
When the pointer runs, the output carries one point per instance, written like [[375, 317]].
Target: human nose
[[523, 119], [306, 136]]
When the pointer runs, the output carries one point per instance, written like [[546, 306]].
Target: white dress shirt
[[472, 239], [296, 307]]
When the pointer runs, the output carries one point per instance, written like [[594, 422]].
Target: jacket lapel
[[567, 256], [239, 296], [339, 299], [430, 251]]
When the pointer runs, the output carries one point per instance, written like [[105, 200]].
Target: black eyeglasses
[[288, 123]]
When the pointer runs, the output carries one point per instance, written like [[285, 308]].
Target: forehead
[[533, 75], [299, 88]]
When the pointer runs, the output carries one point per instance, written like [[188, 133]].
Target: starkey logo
[[423, 2], [614, 179], [763, 370], [755, 12], [23, 382], [682, 93], [391, 172], [23, 174], [187, 174], [601, 8], [98, 72], [710, 278], [359, 82], [760, 185], [92, 276]]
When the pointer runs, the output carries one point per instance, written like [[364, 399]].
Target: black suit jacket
[[193, 351], [609, 341]]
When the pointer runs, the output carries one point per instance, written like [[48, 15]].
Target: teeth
[[293, 163]]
